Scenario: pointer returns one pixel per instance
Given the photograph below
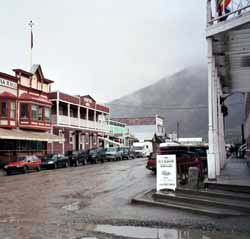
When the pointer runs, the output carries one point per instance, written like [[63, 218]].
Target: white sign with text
[[166, 172], [8, 83]]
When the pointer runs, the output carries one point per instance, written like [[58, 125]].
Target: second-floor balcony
[[64, 120]]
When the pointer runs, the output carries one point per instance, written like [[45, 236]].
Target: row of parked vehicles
[[69, 159]]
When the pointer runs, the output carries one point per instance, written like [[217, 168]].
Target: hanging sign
[[166, 172]]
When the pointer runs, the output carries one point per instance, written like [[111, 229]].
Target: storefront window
[[3, 109], [12, 110], [34, 110], [24, 112], [40, 113], [47, 113]]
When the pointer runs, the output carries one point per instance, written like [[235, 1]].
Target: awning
[[110, 141], [38, 99], [18, 134]]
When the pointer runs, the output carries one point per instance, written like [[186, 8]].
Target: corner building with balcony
[[25, 113], [80, 120]]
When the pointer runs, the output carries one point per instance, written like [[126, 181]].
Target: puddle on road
[[157, 233], [72, 207]]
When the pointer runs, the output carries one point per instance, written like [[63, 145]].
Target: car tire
[[38, 168], [8, 173], [84, 162], [25, 169]]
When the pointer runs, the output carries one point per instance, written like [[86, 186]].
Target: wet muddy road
[[66, 203]]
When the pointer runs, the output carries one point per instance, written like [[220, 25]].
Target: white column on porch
[[57, 108], [215, 122], [78, 115], [68, 113], [211, 161]]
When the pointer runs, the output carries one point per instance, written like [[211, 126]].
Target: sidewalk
[[236, 174]]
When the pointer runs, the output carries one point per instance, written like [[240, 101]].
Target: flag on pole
[[222, 4], [31, 39]]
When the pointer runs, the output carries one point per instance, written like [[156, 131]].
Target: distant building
[[119, 132], [144, 128]]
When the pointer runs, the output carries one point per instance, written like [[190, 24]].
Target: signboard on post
[[166, 172]]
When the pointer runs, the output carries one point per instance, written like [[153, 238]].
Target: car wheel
[[8, 173], [38, 168], [25, 169]]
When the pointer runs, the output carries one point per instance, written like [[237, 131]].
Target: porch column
[[87, 116], [68, 113], [57, 108], [210, 153], [78, 115]]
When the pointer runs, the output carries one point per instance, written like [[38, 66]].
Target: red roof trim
[[7, 95], [29, 97], [26, 73], [48, 80], [10, 77]]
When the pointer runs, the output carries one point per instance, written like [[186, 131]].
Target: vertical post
[[31, 24], [78, 115], [210, 154], [57, 108], [69, 113], [209, 12], [87, 116]]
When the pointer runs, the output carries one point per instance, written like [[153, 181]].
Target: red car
[[23, 164]]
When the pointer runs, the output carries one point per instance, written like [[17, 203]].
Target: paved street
[[61, 203]]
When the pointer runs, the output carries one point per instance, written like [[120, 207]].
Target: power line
[[169, 107]]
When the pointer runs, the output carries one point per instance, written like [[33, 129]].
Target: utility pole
[[178, 130], [31, 24]]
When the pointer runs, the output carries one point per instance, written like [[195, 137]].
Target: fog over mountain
[[181, 97]]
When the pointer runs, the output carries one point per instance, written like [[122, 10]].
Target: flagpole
[[31, 24]]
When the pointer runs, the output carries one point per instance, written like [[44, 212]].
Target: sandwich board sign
[[166, 177]]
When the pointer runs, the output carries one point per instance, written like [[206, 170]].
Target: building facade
[[247, 124], [144, 128], [80, 120], [25, 113]]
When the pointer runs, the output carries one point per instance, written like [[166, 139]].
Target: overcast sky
[[105, 48]]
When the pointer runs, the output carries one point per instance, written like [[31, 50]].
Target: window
[[94, 139], [34, 111], [86, 138], [40, 113], [47, 114], [12, 110], [70, 137], [24, 112], [3, 112]]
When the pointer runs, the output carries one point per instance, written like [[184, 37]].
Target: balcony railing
[[79, 123], [234, 9]]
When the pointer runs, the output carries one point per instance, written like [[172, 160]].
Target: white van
[[143, 149]]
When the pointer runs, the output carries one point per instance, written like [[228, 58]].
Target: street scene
[[125, 119]]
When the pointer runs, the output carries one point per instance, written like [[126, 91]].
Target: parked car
[[126, 153], [77, 157], [23, 164], [96, 155], [113, 153], [55, 161]]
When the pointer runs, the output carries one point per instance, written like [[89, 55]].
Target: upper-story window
[[34, 112], [47, 113], [12, 110], [24, 111], [40, 113], [3, 109]]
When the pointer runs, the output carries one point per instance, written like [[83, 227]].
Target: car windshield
[[50, 157], [138, 147], [20, 158], [111, 149]]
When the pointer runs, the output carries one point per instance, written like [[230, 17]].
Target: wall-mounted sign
[[166, 172], [8, 83]]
